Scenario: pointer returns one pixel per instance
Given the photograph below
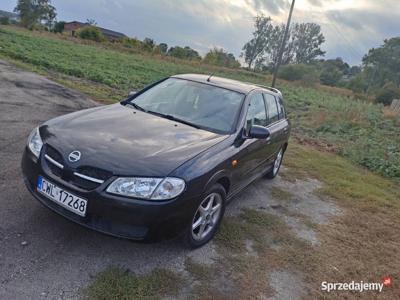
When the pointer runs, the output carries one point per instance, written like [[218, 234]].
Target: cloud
[[273, 7]]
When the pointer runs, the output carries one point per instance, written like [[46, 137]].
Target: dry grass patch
[[280, 194], [116, 283]]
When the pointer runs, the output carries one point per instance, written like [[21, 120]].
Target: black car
[[161, 163]]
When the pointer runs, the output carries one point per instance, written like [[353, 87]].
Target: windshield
[[209, 107]]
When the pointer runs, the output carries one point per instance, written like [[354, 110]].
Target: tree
[[184, 53], [222, 58], [307, 39], [32, 12], [301, 47], [163, 48], [253, 49], [382, 64]]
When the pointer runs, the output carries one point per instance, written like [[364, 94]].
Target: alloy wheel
[[278, 162], [207, 216]]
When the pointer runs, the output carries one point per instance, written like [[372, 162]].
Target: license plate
[[61, 196]]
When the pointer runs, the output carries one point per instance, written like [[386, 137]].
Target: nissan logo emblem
[[74, 156]]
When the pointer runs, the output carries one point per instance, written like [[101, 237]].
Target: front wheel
[[207, 218], [277, 165]]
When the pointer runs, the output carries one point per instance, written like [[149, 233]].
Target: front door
[[251, 155]]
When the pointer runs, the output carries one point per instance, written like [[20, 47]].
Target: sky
[[350, 27]]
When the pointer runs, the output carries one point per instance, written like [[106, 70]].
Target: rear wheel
[[277, 165], [207, 218]]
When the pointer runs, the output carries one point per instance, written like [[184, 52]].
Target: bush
[[58, 27], [387, 93], [297, 72], [4, 20], [91, 33], [220, 57], [331, 76], [358, 84], [132, 43], [38, 27]]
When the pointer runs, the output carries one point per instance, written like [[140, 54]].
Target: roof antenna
[[209, 77]]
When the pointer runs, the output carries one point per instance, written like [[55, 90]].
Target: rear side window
[[281, 109], [272, 108], [256, 114]]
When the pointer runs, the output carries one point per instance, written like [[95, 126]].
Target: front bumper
[[118, 216]]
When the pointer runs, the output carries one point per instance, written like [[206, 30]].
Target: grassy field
[[326, 117]]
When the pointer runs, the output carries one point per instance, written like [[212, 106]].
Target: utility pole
[[282, 45]]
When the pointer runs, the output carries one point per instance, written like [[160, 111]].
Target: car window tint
[[256, 113], [272, 108]]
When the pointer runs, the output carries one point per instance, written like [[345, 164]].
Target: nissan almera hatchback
[[161, 163]]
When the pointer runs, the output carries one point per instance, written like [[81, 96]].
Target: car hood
[[126, 141]]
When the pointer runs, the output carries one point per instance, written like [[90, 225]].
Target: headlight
[[35, 142], [147, 188]]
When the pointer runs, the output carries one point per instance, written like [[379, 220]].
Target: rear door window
[[272, 108], [281, 108]]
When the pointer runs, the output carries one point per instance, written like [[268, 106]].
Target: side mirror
[[131, 93], [258, 132]]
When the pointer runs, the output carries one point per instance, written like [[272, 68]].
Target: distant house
[[72, 27]]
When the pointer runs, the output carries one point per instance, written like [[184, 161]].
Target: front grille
[[55, 155], [94, 172], [84, 184], [84, 177]]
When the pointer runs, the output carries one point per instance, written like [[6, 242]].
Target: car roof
[[234, 85]]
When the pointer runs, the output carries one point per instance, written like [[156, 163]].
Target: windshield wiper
[[170, 117]]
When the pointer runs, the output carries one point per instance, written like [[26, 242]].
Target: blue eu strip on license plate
[[39, 182]]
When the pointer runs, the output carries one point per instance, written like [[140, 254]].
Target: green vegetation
[[221, 58], [91, 33], [116, 283], [358, 130], [4, 20], [299, 72]]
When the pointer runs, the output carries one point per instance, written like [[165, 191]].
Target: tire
[[276, 166], [207, 217]]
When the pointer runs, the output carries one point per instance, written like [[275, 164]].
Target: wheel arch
[[220, 177]]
